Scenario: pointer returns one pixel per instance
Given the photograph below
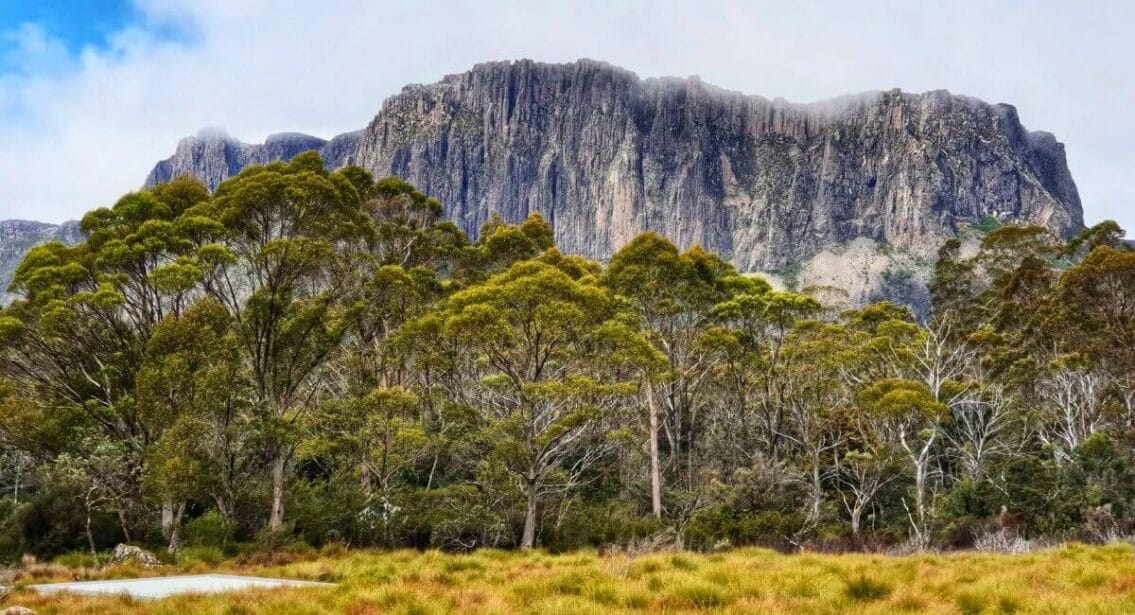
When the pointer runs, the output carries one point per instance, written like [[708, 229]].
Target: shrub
[[50, 524], [76, 559], [987, 224], [209, 530], [189, 556], [769, 528], [1004, 540], [600, 525]]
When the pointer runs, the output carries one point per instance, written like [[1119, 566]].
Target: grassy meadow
[[1069, 579]]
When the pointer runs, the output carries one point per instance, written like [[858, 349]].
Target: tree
[[631, 350], [1075, 410], [907, 412], [1097, 308], [80, 332], [671, 295], [381, 438], [761, 320], [985, 424], [532, 329], [191, 384], [286, 271], [817, 401]]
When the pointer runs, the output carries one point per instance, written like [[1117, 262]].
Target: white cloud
[[76, 134]]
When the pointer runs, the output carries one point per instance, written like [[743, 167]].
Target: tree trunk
[[655, 465], [167, 518], [279, 465], [856, 514], [817, 486], [125, 526], [175, 529], [528, 538], [90, 536], [920, 462], [433, 469], [920, 495], [365, 482], [223, 506]]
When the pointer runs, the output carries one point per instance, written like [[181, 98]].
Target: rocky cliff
[[213, 156], [604, 154]]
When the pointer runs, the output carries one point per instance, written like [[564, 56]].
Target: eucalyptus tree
[[531, 330], [193, 375], [286, 268], [817, 402], [1096, 317], [672, 295], [380, 438], [987, 423], [78, 333], [757, 321], [628, 349], [907, 414]]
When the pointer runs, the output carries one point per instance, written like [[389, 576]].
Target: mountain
[[855, 193], [604, 154], [19, 236], [213, 156]]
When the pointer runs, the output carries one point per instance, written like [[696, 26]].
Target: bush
[[189, 556], [209, 530], [323, 511], [76, 559], [50, 523], [987, 224], [452, 518], [841, 540], [594, 525], [770, 528]]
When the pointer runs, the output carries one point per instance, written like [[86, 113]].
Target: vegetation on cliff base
[[314, 357]]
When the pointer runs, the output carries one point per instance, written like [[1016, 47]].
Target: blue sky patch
[[66, 27], [74, 23]]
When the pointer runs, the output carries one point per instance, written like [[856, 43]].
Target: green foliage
[[210, 530], [987, 224], [76, 559], [600, 524], [726, 525], [191, 556], [308, 357]]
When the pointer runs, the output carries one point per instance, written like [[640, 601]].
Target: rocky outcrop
[[130, 554], [213, 156], [19, 236], [604, 154]]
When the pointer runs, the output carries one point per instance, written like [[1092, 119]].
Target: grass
[[1069, 579]]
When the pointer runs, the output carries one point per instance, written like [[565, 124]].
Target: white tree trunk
[[279, 465], [175, 529], [655, 465], [167, 518], [528, 538]]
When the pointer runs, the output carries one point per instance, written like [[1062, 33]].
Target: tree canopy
[[316, 356]]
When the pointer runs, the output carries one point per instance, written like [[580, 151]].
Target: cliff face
[[604, 155], [213, 156]]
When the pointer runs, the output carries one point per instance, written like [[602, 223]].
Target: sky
[[93, 93]]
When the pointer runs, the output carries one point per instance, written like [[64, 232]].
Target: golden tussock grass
[[1069, 579]]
